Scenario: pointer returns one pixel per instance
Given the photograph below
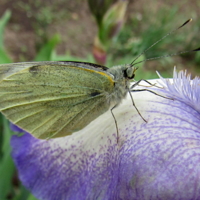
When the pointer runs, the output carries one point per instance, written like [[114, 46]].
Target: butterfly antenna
[[189, 20], [169, 55]]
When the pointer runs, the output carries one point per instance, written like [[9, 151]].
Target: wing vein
[[28, 116], [48, 100]]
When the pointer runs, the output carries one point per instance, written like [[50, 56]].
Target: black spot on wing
[[93, 94], [34, 69]]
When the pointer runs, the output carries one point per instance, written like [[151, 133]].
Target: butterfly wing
[[53, 99]]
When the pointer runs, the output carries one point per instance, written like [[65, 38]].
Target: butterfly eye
[[130, 72]]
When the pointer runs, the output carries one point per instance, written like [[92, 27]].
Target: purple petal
[[51, 171], [183, 88]]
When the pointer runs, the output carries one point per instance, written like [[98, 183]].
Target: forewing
[[53, 99]]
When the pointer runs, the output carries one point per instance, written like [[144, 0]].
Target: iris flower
[[159, 159]]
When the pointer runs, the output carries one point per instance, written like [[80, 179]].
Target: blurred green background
[[108, 32]]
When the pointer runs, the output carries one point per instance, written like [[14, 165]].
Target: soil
[[77, 29]]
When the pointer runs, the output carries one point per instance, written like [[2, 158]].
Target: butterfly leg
[[136, 107], [115, 122], [142, 90], [137, 83]]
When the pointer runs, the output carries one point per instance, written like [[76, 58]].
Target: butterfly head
[[129, 73]]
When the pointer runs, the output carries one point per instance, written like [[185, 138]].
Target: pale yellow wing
[[53, 99]]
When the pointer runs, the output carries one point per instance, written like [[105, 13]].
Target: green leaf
[[7, 133], [31, 197], [6, 164], [3, 21], [1, 136], [6, 170], [22, 193], [4, 58], [67, 57], [46, 51]]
